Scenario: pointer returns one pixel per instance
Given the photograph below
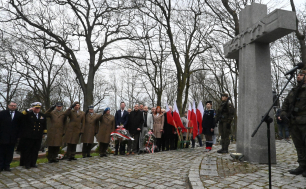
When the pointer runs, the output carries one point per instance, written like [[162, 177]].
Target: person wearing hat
[[225, 115], [74, 129], [208, 124], [107, 125], [55, 130], [35, 125], [90, 130], [294, 113]]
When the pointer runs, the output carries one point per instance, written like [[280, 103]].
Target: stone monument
[[251, 47]]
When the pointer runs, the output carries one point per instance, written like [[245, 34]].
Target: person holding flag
[[169, 129], [195, 125]]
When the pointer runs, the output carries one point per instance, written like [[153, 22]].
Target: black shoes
[[103, 155], [29, 167], [222, 151], [53, 161], [89, 156], [304, 174], [219, 151], [298, 171], [72, 158]]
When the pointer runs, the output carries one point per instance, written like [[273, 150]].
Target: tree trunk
[[159, 96], [303, 50], [179, 97]]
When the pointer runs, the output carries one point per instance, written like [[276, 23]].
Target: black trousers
[[53, 152], [159, 143], [132, 144], [175, 140], [122, 147], [6, 155], [86, 149], [29, 152], [169, 141], [71, 148], [103, 148], [163, 140]]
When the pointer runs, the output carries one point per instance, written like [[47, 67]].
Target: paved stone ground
[[185, 168], [158, 170], [245, 175]]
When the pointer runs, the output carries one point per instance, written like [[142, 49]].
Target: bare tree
[[184, 24], [75, 29], [300, 32], [9, 80]]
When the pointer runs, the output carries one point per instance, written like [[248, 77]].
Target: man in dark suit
[[10, 125], [121, 119], [34, 127]]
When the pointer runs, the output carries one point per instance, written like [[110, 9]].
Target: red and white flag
[[170, 119], [177, 118], [194, 120], [169, 115], [200, 113]]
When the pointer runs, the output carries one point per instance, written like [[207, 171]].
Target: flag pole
[[178, 133]]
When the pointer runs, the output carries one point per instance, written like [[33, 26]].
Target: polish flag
[[194, 120], [177, 118], [170, 119], [200, 113]]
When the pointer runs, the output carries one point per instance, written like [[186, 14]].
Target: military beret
[[106, 109], [59, 104], [90, 107], [224, 94], [36, 104], [210, 102]]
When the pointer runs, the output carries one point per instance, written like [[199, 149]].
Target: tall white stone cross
[[251, 46]]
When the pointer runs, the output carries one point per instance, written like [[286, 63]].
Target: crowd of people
[[72, 126]]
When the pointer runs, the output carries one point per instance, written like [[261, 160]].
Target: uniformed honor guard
[[74, 129], [55, 131], [225, 115], [90, 130], [294, 112], [107, 125], [34, 127]]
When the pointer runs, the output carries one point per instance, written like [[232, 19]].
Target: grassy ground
[[15, 163]]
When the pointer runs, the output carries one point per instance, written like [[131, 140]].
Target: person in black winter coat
[[208, 124], [10, 125], [134, 125], [169, 133]]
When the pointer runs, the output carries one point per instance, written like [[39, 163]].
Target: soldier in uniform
[[225, 115], [90, 130], [55, 131], [34, 127], [74, 129], [294, 112], [107, 125]]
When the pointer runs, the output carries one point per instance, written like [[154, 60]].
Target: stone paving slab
[[248, 175], [168, 169], [185, 168]]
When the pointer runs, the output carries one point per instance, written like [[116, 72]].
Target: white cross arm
[[272, 27]]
